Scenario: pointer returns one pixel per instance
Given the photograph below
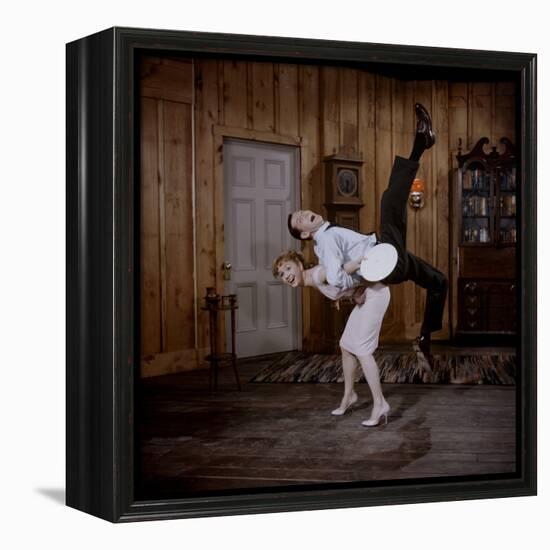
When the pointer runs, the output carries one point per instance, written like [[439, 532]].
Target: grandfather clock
[[343, 202], [343, 190]]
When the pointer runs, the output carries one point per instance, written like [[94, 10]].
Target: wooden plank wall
[[325, 110], [167, 296]]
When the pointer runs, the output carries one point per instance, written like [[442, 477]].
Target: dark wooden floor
[[272, 435]]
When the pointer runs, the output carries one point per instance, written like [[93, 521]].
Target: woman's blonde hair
[[288, 256]]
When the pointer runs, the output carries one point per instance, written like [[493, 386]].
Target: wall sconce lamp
[[416, 195]]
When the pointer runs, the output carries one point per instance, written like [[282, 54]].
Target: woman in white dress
[[360, 337]]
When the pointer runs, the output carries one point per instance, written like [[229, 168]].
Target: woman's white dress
[[362, 330]]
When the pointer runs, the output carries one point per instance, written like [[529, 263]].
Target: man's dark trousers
[[393, 230]]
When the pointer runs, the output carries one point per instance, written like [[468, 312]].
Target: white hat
[[379, 262]]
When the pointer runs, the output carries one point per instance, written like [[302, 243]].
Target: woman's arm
[[317, 277], [349, 267], [321, 275], [332, 258]]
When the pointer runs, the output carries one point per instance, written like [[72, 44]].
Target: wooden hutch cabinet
[[485, 235]]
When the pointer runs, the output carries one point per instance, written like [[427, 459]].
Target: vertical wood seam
[[453, 244], [469, 116], [218, 188], [276, 98], [299, 94], [341, 138], [221, 92], [249, 97], [493, 136], [306, 330], [274, 106], [162, 220], [357, 129], [434, 162], [194, 203], [321, 111]]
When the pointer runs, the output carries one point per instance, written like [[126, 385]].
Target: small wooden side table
[[214, 303]]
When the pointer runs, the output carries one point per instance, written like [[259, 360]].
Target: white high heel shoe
[[384, 411], [341, 410]]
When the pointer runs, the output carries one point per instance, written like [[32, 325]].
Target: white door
[[261, 186]]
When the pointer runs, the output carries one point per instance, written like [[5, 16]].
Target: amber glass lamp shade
[[416, 195]]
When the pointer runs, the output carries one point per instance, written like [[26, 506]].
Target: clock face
[[346, 182]]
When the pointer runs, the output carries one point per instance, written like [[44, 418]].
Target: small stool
[[213, 303]]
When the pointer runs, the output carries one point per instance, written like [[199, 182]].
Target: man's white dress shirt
[[338, 245]]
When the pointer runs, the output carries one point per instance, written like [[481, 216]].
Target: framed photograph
[[301, 274]]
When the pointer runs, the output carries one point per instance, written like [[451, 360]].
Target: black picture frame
[[102, 348]]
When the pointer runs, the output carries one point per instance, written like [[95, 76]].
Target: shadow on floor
[[55, 494]]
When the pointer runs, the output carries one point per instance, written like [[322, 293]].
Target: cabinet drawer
[[487, 305]]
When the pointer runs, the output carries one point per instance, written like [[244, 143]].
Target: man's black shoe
[[424, 125], [422, 343]]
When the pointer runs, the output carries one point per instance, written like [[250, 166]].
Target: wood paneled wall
[[324, 110], [167, 265]]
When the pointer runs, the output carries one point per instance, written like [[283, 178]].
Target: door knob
[[226, 267]]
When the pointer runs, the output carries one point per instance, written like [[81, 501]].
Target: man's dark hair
[[293, 231]]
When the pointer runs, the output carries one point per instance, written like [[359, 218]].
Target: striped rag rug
[[396, 368]]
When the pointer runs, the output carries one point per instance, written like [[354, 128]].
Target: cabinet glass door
[[506, 212], [476, 205]]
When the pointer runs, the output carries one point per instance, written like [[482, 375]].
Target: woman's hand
[[352, 266], [359, 295]]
